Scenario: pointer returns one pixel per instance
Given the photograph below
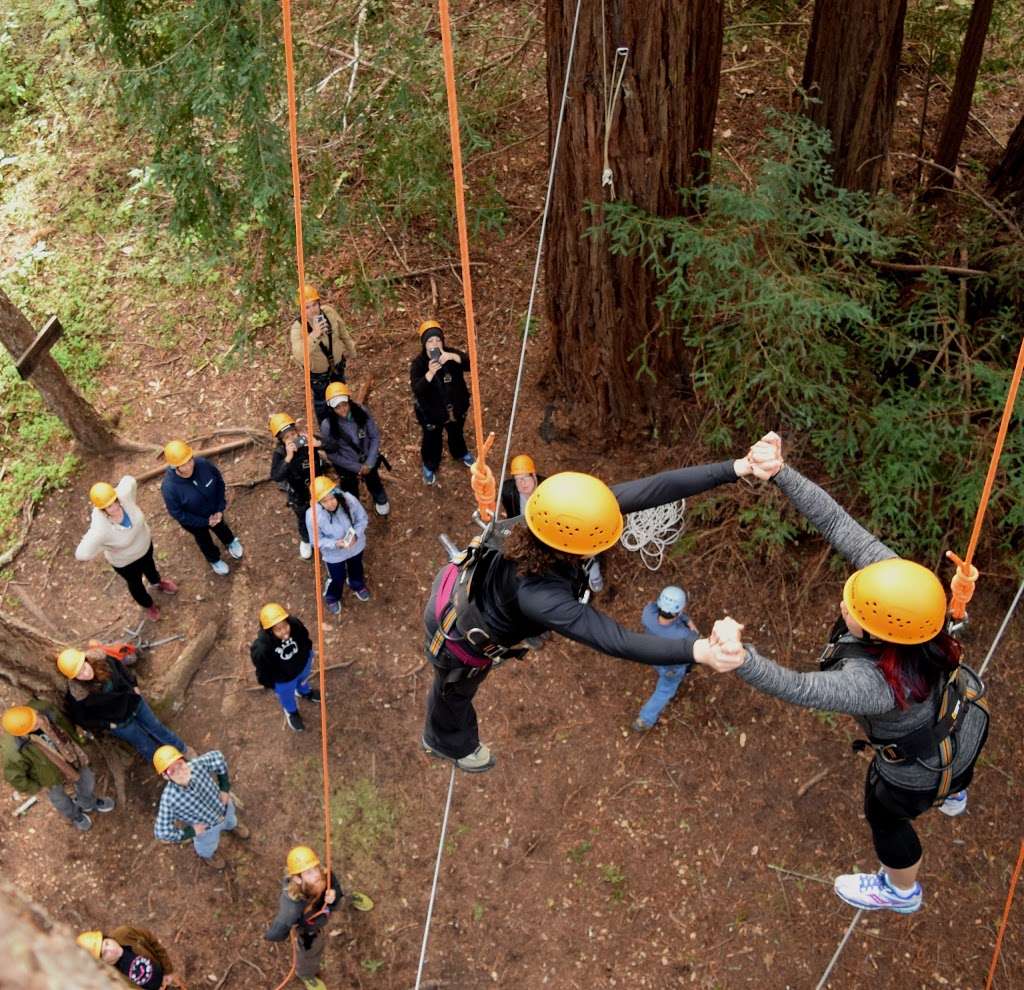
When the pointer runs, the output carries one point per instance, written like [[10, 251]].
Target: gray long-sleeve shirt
[[855, 686]]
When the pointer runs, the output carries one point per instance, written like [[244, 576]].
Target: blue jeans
[[287, 690], [669, 679], [353, 568], [206, 844], [145, 732]]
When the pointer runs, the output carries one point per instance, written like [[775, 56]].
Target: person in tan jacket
[[135, 953], [330, 346], [119, 530]]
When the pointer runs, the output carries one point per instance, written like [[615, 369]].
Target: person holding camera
[[441, 395], [289, 467], [330, 345], [341, 523], [351, 440]]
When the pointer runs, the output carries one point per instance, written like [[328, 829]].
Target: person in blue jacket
[[194, 493], [667, 618], [341, 527]]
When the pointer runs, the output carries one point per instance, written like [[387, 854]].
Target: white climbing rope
[[839, 949], [652, 531]]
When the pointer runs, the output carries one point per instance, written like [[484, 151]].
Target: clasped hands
[[763, 460], [723, 650]]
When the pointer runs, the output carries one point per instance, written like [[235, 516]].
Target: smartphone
[[434, 353], [350, 536]]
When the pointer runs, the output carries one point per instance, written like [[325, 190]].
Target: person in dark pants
[[330, 346], [351, 441], [520, 485], [289, 467], [194, 493], [890, 663], [535, 584], [119, 530], [283, 654], [342, 523], [438, 379]]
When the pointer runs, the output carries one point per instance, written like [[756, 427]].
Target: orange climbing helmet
[[522, 464], [576, 513], [897, 601]]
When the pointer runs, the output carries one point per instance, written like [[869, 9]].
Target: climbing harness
[[653, 531]]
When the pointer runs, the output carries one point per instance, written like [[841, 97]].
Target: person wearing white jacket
[[341, 526], [118, 529]]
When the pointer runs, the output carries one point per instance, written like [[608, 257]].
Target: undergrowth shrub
[[894, 382]]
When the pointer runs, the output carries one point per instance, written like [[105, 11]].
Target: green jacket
[[26, 768]]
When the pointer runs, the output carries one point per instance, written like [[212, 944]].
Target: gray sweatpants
[[84, 799]]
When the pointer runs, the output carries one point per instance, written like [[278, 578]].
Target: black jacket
[[107, 705], [511, 501], [294, 474], [278, 661], [448, 387]]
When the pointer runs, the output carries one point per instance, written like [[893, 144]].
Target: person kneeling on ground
[[666, 617], [282, 654], [42, 751], [342, 523], [135, 953], [308, 899], [196, 802], [289, 467], [103, 696], [195, 496], [351, 441]]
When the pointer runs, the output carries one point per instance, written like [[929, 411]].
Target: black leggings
[[133, 573], [432, 444], [451, 726], [205, 541]]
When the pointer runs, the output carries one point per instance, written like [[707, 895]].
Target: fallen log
[[171, 686], [223, 448]]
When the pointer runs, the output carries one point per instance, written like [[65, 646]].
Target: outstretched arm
[[670, 486]]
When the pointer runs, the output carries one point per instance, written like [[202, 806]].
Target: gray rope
[[1002, 629], [839, 950], [433, 889], [540, 250]]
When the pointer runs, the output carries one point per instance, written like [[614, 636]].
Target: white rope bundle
[[653, 531]]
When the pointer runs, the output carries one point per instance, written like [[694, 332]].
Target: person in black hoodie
[[438, 379], [283, 654], [351, 440], [103, 696], [289, 467]]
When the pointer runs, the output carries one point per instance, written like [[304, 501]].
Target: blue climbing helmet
[[672, 600]]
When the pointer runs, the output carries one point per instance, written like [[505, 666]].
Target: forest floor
[[699, 854]]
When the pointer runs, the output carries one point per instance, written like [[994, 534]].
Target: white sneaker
[[382, 508], [219, 567], [873, 892], [235, 549], [305, 550], [955, 804]]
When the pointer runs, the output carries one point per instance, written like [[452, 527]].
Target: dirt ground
[[694, 855]]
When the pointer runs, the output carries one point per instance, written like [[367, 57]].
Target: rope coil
[[653, 531]]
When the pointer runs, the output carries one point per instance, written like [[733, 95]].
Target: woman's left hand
[[330, 897]]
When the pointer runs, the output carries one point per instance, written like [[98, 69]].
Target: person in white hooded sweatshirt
[[341, 526], [119, 530]]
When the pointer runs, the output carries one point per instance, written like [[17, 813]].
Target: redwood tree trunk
[[954, 125], [90, 431], [601, 308], [29, 658], [1007, 178], [851, 69]]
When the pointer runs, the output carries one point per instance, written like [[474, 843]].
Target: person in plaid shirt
[[196, 802]]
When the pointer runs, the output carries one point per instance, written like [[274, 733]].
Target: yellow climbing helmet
[[70, 662], [165, 757], [301, 858], [308, 294], [92, 942], [428, 325], [574, 512], [271, 614], [337, 390], [279, 422], [177, 452], [102, 494], [522, 464], [20, 720], [897, 601], [322, 487]]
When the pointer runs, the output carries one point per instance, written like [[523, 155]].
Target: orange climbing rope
[[482, 477], [300, 263], [966, 575], [1006, 916]]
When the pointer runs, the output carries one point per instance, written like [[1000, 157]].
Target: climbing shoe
[[873, 892], [295, 722], [955, 804], [476, 762]]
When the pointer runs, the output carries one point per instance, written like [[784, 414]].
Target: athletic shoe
[[167, 586], [362, 594], [360, 901], [429, 477], [477, 762], [219, 567], [104, 805], [295, 722], [83, 822], [873, 892], [313, 695], [382, 508], [639, 725], [305, 550], [214, 862], [235, 549], [595, 580], [955, 804], [241, 831], [153, 613], [332, 606], [468, 459]]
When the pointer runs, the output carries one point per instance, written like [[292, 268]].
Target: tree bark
[[91, 432], [954, 124], [29, 659], [851, 70], [1006, 180], [601, 308]]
